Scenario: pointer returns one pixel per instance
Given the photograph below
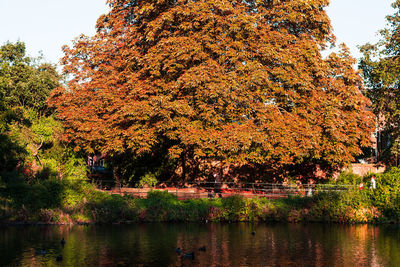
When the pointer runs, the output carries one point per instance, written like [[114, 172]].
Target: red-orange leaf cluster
[[234, 81]]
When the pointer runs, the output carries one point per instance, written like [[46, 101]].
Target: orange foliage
[[234, 81]]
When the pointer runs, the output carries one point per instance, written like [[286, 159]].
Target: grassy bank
[[66, 201]]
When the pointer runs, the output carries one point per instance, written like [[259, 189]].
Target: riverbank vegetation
[[74, 201], [234, 91]]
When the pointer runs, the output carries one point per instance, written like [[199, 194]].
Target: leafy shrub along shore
[[68, 201]]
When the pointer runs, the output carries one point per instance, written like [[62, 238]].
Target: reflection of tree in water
[[388, 245], [226, 245]]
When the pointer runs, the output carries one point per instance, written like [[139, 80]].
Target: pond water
[[225, 245]]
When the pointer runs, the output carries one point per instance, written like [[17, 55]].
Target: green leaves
[[22, 81], [381, 70]]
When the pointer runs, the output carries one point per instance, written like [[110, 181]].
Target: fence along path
[[191, 190]]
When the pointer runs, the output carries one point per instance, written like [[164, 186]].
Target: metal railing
[[189, 190]]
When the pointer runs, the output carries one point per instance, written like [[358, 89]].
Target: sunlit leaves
[[233, 81], [24, 81], [381, 69]]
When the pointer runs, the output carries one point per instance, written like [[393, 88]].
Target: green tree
[[26, 126], [381, 69], [24, 81], [237, 82]]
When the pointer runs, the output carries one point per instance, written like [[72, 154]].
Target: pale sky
[[46, 25], [356, 22]]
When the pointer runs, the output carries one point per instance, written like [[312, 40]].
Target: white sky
[[356, 22], [46, 25]]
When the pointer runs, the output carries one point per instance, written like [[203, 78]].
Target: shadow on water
[[225, 245]]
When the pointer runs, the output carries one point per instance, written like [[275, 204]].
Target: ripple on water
[[226, 245]]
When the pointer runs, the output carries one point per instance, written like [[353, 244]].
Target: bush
[[109, 209], [148, 180], [73, 166], [162, 206], [386, 196], [348, 178], [234, 208], [195, 210], [345, 207]]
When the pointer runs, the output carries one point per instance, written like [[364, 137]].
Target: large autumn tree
[[236, 82], [381, 69]]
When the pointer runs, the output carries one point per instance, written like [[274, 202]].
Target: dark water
[[226, 245]]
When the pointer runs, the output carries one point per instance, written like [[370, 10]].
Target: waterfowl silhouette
[[40, 252], [189, 255], [203, 248]]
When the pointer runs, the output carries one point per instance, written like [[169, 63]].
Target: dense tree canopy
[[239, 82], [381, 69], [25, 125], [24, 81]]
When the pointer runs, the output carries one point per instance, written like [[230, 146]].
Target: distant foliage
[[30, 136], [25, 85], [24, 81], [380, 66], [238, 82], [348, 178]]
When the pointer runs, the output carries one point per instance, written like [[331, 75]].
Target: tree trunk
[[183, 162]]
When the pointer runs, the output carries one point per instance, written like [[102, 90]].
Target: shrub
[[54, 200], [348, 178], [349, 206], [162, 206], [195, 210], [148, 180], [234, 208], [109, 209], [49, 216], [386, 196], [73, 166]]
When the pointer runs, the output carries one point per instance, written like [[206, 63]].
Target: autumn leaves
[[239, 82]]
